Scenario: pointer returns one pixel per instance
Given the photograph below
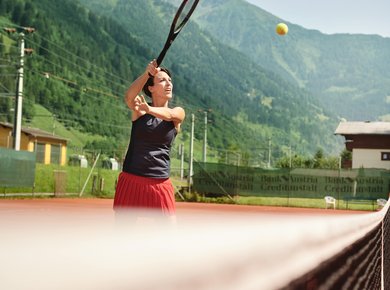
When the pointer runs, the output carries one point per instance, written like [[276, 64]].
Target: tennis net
[[207, 250], [364, 264]]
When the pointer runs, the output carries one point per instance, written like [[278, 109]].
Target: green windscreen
[[17, 168], [219, 178]]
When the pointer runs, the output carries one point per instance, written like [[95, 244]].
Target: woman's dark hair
[[150, 82]]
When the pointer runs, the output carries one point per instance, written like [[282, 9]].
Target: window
[[40, 150], [385, 156], [55, 156]]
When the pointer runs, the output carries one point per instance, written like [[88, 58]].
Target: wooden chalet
[[369, 143]]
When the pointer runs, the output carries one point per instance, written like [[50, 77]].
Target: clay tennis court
[[71, 243], [104, 207], [90, 212]]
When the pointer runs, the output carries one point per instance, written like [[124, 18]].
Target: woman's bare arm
[[136, 87], [175, 115]]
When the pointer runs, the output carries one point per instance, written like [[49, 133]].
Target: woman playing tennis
[[144, 182]]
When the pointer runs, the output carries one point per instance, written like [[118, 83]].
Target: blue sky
[[333, 16]]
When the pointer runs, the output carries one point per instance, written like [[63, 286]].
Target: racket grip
[[161, 56], [163, 52]]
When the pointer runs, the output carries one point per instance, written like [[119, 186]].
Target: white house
[[369, 143]]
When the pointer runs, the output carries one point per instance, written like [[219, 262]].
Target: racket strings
[[185, 14]]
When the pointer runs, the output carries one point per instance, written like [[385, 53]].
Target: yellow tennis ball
[[281, 29]]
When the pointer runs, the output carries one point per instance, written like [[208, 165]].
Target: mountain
[[348, 74], [230, 82], [86, 54], [74, 69]]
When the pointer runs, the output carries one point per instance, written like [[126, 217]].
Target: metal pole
[[19, 98], [190, 173], [269, 152], [89, 175], [205, 138], [181, 161]]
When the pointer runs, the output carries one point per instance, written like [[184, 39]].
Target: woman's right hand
[[152, 69]]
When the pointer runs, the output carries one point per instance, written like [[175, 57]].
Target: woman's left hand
[[140, 105]]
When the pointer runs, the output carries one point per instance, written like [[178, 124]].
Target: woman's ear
[[150, 88]]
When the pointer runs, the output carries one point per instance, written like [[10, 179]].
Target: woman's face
[[162, 86]]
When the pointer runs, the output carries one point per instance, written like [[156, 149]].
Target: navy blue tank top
[[150, 145]]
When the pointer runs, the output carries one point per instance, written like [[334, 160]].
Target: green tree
[[17, 12], [318, 159]]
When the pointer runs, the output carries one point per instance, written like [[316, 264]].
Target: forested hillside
[[77, 70], [348, 74], [84, 59], [241, 88]]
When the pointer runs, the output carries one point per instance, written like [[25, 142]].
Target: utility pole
[[269, 152], [19, 97], [54, 123], [19, 86], [205, 138], [182, 161], [190, 173], [205, 134]]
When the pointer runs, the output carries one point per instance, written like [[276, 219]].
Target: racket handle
[[161, 57], [164, 51]]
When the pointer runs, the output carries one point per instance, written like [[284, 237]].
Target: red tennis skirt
[[133, 191]]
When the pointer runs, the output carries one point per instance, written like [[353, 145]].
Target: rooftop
[[34, 132], [360, 128]]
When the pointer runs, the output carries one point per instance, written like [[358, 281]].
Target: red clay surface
[[104, 207]]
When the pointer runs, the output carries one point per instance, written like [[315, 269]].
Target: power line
[[74, 119], [79, 58], [7, 90], [75, 57], [73, 64], [81, 77], [76, 64], [9, 61], [9, 45], [83, 68], [83, 89]]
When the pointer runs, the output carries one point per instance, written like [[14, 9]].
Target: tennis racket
[[182, 16]]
